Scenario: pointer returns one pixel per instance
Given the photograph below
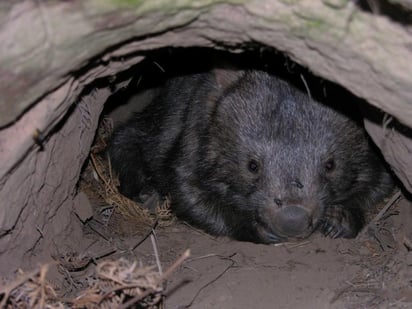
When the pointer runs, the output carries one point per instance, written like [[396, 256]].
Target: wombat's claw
[[274, 239], [338, 222], [269, 237], [327, 229]]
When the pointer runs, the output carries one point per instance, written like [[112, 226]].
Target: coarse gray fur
[[247, 155]]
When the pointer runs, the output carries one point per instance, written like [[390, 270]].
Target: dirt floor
[[372, 271]]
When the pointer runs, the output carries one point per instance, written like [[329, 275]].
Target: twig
[[299, 244], [96, 231], [98, 171], [146, 236], [6, 291], [42, 281], [353, 289], [163, 277], [291, 244], [379, 216], [159, 66], [212, 281], [306, 86], [202, 257], [109, 163], [156, 252], [391, 202]]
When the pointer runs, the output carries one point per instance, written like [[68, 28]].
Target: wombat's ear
[[223, 77], [226, 76]]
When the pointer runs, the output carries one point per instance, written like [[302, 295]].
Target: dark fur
[[196, 140]]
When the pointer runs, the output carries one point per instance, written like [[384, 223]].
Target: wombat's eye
[[253, 166], [330, 165]]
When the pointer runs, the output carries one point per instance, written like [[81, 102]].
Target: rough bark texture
[[370, 55], [396, 148], [52, 50], [39, 194]]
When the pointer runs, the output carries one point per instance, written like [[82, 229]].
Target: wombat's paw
[[339, 222], [149, 198], [267, 237]]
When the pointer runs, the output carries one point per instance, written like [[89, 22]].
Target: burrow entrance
[[76, 192]]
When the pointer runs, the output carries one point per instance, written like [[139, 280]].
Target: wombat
[[247, 155]]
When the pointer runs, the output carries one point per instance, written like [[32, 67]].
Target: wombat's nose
[[293, 220]]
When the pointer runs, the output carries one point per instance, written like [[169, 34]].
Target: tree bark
[[44, 44]]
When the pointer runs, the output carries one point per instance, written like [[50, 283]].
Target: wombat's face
[[279, 159]]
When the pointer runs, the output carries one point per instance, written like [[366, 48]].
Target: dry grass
[[100, 183], [114, 284], [30, 290]]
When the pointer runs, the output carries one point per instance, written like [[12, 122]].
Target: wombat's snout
[[293, 220]]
